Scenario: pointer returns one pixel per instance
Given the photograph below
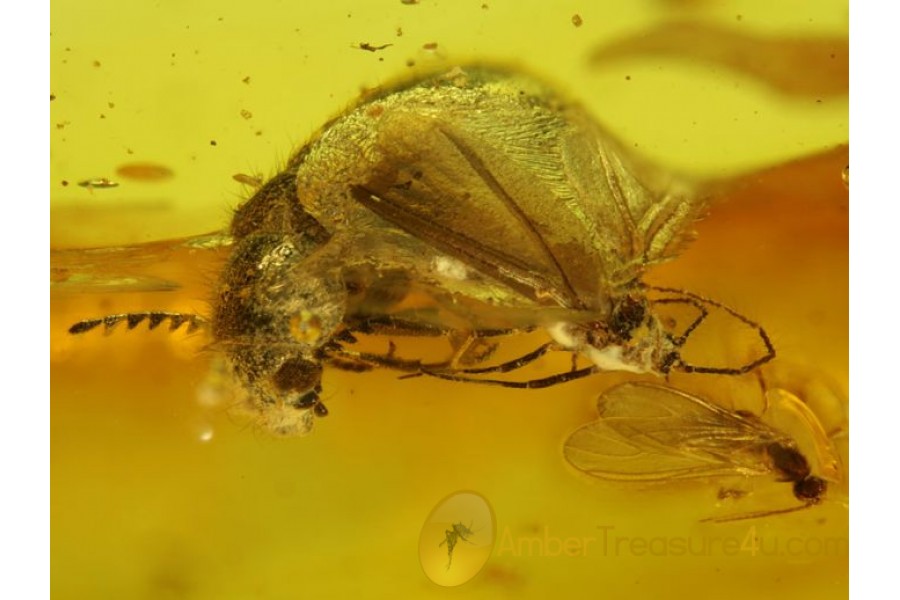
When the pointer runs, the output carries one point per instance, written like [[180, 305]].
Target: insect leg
[[530, 384], [470, 347], [688, 368], [510, 365], [445, 367], [682, 339], [361, 361], [463, 345], [388, 325]]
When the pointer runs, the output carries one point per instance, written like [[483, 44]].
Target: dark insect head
[[810, 490], [299, 380], [793, 466]]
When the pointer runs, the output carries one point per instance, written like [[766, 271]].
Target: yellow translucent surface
[[142, 506]]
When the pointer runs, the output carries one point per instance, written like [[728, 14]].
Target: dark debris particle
[[371, 48], [430, 46], [246, 80], [576, 20], [213, 143], [65, 183], [52, 97]]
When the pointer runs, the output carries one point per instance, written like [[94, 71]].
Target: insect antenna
[[132, 320], [697, 301]]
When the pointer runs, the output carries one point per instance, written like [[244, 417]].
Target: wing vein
[[458, 244], [497, 188]]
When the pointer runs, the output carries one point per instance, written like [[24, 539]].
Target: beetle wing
[[646, 215], [456, 189], [522, 188], [648, 432]]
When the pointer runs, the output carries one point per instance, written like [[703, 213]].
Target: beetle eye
[[308, 400]]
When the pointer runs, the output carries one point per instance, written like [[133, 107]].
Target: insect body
[[457, 532], [477, 189], [478, 192], [651, 433]]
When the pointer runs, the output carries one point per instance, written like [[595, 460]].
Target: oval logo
[[457, 539]]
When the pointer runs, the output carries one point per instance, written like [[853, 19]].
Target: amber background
[[141, 507]]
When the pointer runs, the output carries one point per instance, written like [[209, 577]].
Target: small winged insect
[[470, 204], [654, 433], [457, 532]]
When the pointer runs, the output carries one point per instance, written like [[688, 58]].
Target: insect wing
[[444, 184], [648, 432], [135, 268], [535, 194], [425, 305]]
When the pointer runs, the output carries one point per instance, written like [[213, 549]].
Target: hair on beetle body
[[503, 206]]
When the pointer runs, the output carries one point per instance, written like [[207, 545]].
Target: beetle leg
[[540, 383]]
